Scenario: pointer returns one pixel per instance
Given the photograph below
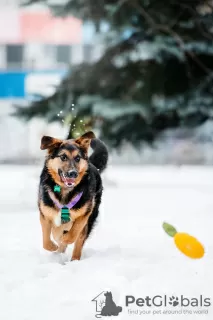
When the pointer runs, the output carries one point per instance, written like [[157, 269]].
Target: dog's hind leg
[[46, 226], [76, 255]]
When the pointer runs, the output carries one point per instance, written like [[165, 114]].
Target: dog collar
[[65, 209]]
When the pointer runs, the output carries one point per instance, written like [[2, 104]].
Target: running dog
[[70, 191]]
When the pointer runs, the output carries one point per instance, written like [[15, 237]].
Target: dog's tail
[[99, 157]]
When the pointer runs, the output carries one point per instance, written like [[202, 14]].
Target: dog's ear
[[85, 139], [49, 142]]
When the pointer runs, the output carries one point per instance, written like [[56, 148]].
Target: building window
[[88, 53], [3, 64], [77, 54], [14, 55], [49, 54], [63, 54]]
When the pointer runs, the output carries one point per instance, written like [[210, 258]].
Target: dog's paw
[[65, 240], [75, 258], [50, 246], [62, 248]]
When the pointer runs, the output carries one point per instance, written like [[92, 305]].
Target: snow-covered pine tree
[[156, 71]]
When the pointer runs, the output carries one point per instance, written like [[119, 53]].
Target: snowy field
[[128, 253]]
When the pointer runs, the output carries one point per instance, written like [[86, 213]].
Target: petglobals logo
[[164, 301], [105, 305], [164, 304]]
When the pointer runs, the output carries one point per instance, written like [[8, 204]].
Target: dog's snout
[[72, 174]]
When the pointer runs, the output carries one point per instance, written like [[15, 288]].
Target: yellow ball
[[189, 245]]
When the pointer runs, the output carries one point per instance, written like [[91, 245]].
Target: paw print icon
[[173, 301]]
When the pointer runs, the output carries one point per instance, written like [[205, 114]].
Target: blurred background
[[137, 72]]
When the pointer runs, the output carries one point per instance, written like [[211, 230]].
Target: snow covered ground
[[128, 253]]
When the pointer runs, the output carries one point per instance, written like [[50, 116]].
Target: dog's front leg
[[75, 230], [46, 226], [76, 255], [58, 232], [77, 234]]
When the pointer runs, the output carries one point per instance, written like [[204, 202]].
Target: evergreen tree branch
[[175, 35], [196, 16], [155, 74]]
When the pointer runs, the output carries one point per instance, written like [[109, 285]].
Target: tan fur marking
[[49, 143], [74, 232], [54, 164], [84, 140], [48, 212], [62, 248], [55, 176], [79, 222], [75, 153], [76, 255], [82, 170], [46, 231], [68, 153], [57, 232], [75, 214], [74, 227]]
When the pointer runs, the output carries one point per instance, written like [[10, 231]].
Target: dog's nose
[[72, 174]]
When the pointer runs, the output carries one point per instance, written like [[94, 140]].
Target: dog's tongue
[[68, 181]]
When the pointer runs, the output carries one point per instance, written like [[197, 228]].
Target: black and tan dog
[[70, 181]]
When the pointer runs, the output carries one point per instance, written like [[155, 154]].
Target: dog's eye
[[63, 157], [77, 159]]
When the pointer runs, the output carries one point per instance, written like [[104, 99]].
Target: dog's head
[[67, 160], [108, 294]]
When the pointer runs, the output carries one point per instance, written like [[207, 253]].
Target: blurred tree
[[156, 71]]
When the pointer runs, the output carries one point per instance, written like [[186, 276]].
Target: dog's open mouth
[[69, 182]]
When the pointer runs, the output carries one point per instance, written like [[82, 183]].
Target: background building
[[36, 51]]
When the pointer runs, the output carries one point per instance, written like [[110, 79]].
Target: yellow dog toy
[[187, 244]]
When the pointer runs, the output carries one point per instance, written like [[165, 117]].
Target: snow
[[128, 253]]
